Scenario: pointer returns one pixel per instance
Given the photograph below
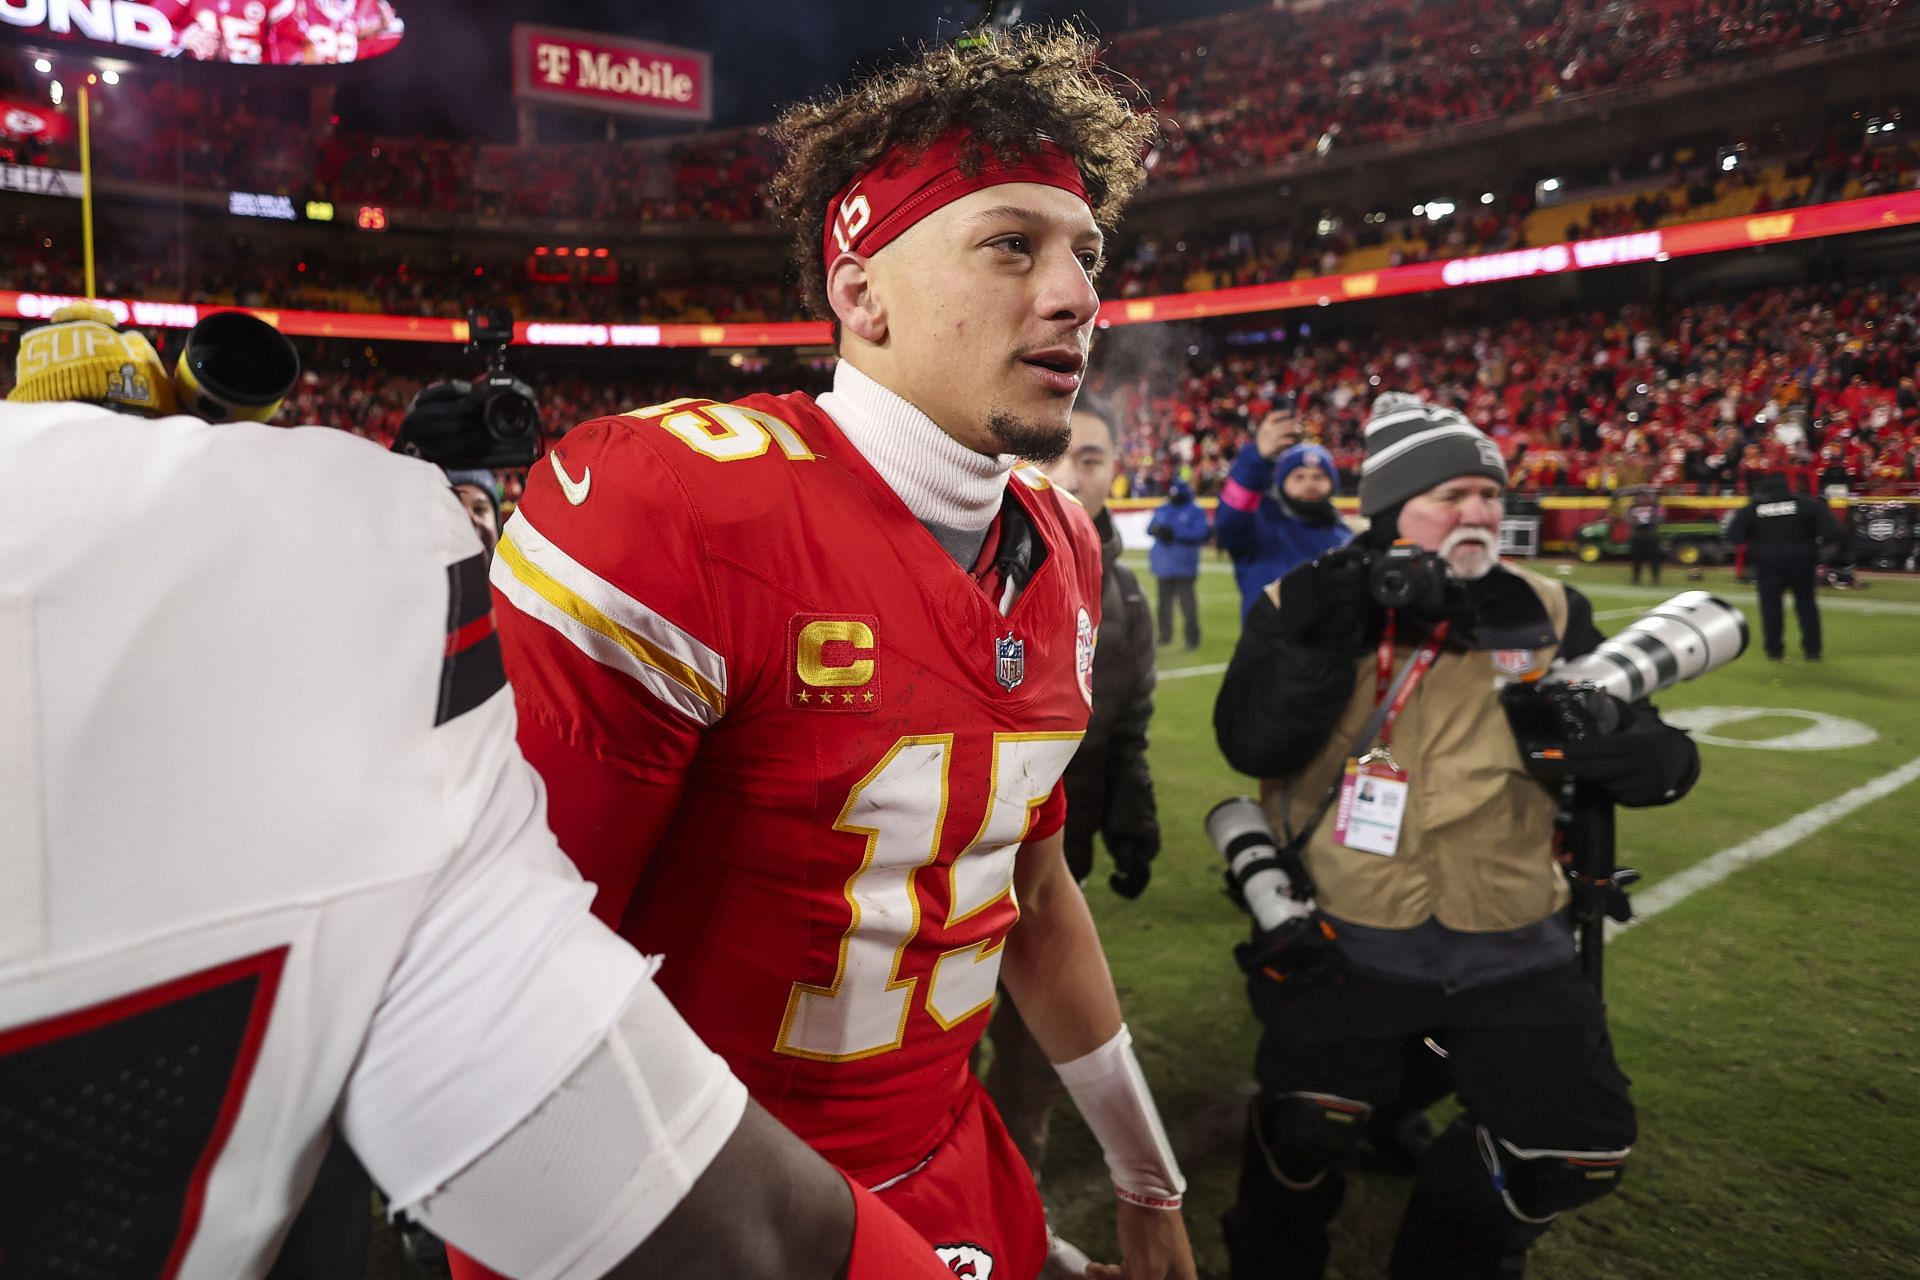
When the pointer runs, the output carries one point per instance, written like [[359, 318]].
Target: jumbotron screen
[[260, 32]]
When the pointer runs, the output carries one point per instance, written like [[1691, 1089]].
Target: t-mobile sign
[[593, 72]]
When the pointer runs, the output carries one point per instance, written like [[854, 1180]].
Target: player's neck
[[943, 482]]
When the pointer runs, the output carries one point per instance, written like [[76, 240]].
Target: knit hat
[[81, 356], [1305, 455], [1413, 446]]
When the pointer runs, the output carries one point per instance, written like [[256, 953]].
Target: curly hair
[[1008, 88]]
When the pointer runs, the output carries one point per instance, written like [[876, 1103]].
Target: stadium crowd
[[363, 276], [1673, 185], [1391, 69], [1818, 380], [1356, 73]]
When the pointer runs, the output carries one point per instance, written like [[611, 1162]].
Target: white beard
[[1470, 553]]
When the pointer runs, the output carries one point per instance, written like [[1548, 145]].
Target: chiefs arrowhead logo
[[966, 1260]]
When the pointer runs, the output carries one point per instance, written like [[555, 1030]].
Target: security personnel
[[1782, 534], [1439, 909]]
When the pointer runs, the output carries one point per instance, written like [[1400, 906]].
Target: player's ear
[[855, 301]]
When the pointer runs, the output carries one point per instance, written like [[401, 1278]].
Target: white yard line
[[1182, 673], [1648, 903]]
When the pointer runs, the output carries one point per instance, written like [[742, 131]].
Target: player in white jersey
[[270, 861]]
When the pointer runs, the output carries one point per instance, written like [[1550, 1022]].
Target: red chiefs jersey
[[242, 31], [795, 744], [321, 32]]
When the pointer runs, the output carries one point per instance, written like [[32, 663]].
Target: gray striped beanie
[[1413, 446]]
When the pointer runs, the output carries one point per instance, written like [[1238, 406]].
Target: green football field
[[1766, 1009]]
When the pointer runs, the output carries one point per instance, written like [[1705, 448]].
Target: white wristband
[[1111, 1093]]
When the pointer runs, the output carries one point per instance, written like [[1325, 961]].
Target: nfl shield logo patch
[[1513, 662], [1009, 661]]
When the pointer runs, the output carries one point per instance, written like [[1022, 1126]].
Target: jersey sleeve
[[506, 982], [615, 643]]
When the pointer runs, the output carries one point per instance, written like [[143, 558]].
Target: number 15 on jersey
[[902, 807]]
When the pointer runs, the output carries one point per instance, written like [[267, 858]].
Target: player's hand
[[1153, 1246], [1276, 433]]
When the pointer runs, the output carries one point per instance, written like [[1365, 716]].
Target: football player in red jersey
[[802, 676], [239, 31]]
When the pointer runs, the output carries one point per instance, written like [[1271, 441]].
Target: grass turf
[[1768, 1022]]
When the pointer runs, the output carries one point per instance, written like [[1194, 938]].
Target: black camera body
[[486, 424], [1572, 711], [1405, 575]]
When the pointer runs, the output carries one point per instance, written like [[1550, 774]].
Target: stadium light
[[111, 77], [1438, 209], [1729, 162], [56, 91], [1486, 197], [1551, 184], [42, 66]]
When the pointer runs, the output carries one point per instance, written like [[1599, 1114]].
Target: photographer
[[1435, 906]]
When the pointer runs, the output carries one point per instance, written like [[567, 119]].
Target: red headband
[[881, 202]]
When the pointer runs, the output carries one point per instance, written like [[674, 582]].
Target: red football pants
[[973, 1199]]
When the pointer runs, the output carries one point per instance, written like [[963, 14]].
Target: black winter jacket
[[1108, 787]]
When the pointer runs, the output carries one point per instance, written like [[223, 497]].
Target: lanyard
[[1422, 659]]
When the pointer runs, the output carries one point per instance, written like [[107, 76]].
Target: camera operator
[[1433, 902]]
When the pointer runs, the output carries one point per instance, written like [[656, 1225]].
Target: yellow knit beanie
[[81, 356]]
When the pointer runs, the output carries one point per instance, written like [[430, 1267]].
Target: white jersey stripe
[[704, 665], [608, 625]]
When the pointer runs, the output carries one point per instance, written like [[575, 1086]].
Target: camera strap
[[1389, 700]]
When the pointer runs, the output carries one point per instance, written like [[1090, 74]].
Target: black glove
[[1324, 604], [1164, 533], [1132, 864], [1280, 965], [1638, 760]]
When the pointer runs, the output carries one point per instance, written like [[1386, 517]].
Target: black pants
[[1179, 591], [1533, 1066], [1775, 574], [1645, 551]]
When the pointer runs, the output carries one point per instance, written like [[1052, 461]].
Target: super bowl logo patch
[[1513, 662], [836, 663], [1083, 643], [966, 1260], [1009, 661]]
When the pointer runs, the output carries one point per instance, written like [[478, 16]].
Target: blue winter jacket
[[1264, 540], [1176, 553]]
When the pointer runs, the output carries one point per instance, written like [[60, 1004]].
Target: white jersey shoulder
[[260, 789]]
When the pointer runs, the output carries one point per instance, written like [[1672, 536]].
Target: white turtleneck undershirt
[[952, 490]]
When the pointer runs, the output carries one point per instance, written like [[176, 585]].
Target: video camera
[[486, 424]]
